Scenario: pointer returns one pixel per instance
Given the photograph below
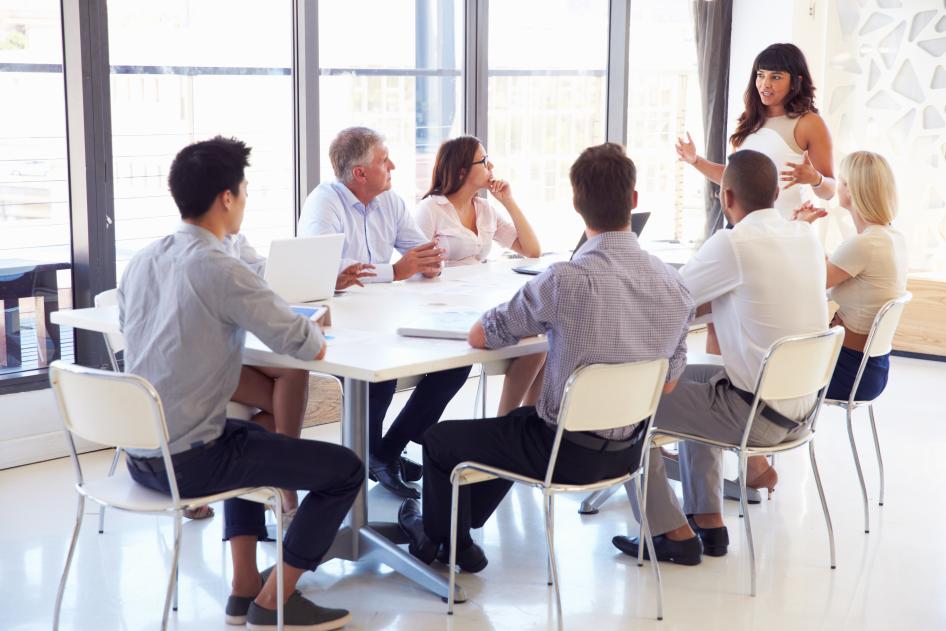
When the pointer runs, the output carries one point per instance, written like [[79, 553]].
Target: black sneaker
[[686, 552], [237, 606], [471, 559], [715, 540], [299, 614]]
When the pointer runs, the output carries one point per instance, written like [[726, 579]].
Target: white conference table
[[363, 348]]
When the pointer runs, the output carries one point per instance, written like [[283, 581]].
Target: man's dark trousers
[[422, 410], [520, 442], [246, 455]]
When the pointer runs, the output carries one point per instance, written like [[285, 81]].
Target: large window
[[664, 103], [547, 89], [187, 70], [35, 251], [399, 72]]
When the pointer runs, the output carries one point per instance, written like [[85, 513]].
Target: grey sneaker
[[237, 606], [300, 614]]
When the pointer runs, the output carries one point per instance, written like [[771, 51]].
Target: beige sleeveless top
[[776, 139]]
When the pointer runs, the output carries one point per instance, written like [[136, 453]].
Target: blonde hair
[[872, 187]]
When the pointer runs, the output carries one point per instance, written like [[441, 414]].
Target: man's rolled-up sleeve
[[531, 311]]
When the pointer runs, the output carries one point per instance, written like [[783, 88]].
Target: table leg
[[377, 540]]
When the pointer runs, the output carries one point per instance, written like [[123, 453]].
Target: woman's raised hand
[[686, 150]]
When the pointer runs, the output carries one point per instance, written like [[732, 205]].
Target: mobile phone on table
[[314, 313]]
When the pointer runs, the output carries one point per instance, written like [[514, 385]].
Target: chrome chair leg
[[641, 490], [454, 509], [743, 465], [646, 536], [177, 582], [111, 472], [824, 503], [550, 528], [880, 460], [280, 589], [80, 507], [548, 506], [860, 472], [172, 580]]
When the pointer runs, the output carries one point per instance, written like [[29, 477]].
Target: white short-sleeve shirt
[[877, 261], [439, 220], [765, 279]]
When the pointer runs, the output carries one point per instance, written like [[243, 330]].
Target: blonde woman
[[465, 226], [866, 271]]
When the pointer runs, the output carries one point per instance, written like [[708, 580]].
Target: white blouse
[[439, 220]]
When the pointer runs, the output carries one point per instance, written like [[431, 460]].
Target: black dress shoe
[[411, 471], [389, 475], [471, 559], [715, 540], [686, 552], [412, 523]]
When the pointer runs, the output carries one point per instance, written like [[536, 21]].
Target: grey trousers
[[702, 404]]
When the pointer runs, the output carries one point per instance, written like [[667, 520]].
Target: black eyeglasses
[[482, 161]]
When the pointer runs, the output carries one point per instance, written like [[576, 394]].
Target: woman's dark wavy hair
[[801, 96], [452, 165]]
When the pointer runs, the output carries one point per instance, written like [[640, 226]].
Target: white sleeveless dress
[[776, 140]]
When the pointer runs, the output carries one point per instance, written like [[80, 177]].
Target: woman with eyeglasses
[[465, 226], [781, 121]]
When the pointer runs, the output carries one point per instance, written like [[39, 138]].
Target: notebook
[[638, 221], [448, 324]]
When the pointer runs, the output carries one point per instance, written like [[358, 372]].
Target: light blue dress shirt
[[184, 306], [372, 232]]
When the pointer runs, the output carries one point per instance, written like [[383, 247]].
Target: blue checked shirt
[[612, 303]]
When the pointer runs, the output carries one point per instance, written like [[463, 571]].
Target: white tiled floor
[[895, 577]]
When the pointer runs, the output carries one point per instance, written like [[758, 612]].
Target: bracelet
[[818, 185]]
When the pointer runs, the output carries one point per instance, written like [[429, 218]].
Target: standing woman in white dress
[[465, 226], [781, 121]]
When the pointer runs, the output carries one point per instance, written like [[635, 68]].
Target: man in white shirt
[[361, 205], [762, 280]]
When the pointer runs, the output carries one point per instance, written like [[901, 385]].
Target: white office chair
[[125, 411], [115, 343], [596, 397], [879, 342], [794, 366]]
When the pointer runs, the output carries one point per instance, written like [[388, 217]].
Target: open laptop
[[304, 269], [638, 221]]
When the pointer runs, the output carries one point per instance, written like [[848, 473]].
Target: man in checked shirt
[[612, 303]]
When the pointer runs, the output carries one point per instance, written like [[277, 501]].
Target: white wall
[[760, 23], [30, 429]]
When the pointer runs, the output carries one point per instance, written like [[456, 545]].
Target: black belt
[[765, 411], [599, 443], [156, 464]]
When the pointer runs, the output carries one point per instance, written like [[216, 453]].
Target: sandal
[[199, 512]]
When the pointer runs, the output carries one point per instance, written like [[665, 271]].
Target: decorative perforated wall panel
[[885, 90]]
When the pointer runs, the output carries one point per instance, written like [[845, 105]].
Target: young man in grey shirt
[[185, 305]]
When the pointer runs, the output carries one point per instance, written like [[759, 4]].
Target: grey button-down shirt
[[612, 303], [185, 305]]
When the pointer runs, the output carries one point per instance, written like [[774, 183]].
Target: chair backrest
[[799, 365], [880, 338], [114, 409], [109, 298], [605, 396]]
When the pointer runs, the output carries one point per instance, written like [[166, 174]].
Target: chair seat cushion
[[122, 492]]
